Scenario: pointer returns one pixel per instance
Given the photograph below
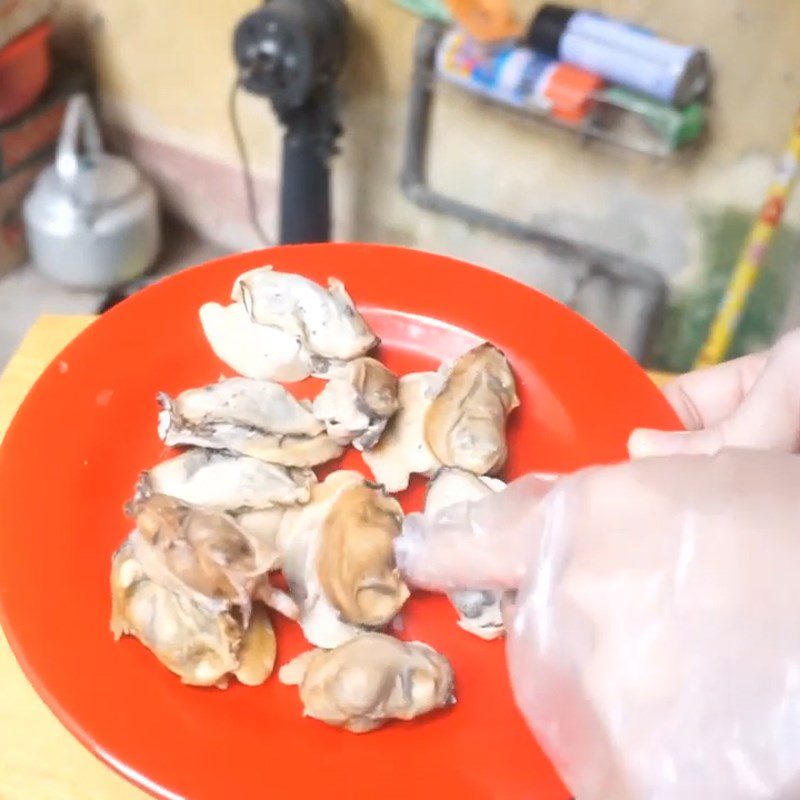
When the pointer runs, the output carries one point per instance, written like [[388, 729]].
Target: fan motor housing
[[287, 49]]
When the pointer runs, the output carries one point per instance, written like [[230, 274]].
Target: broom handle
[[747, 269]]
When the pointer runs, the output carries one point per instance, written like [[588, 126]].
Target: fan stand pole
[[308, 145]]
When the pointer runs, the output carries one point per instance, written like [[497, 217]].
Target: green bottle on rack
[[676, 126]]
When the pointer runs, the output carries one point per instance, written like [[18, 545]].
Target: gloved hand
[[655, 645], [749, 402]]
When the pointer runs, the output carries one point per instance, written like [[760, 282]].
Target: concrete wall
[[165, 71]]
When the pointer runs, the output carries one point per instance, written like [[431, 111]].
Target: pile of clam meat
[[239, 501]]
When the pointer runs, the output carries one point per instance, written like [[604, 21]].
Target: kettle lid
[[102, 181]]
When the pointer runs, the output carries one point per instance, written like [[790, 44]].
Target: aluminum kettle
[[91, 218]]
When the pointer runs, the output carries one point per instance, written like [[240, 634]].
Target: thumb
[[485, 544], [644, 443], [768, 416]]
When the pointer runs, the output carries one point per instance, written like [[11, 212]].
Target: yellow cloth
[[39, 759]]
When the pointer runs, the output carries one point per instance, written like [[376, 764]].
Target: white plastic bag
[[655, 647]]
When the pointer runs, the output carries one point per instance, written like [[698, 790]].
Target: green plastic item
[[676, 126], [429, 9]]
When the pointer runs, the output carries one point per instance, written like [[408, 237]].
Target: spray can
[[507, 74], [519, 76], [512, 75], [621, 53], [456, 57]]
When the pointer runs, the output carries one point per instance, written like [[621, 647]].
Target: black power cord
[[244, 159]]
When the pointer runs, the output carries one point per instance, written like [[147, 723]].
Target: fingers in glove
[[478, 545], [765, 414]]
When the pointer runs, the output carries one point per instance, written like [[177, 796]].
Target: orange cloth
[[486, 20]]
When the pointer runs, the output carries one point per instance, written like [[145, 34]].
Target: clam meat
[[337, 556], [255, 418], [480, 612], [358, 402], [226, 482], [203, 552], [286, 327], [465, 425], [199, 640], [368, 681], [402, 450]]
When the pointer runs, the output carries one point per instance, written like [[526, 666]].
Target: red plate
[[88, 427]]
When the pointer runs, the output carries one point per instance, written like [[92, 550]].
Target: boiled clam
[[368, 681], [205, 552], [255, 418], [337, 557], [480, 612], [465, 425], [286, 327], [226, 482], [402, 450], [358, 402], [256, 351], [201, 642]]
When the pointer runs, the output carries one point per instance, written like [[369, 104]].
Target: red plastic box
[[24, 70]]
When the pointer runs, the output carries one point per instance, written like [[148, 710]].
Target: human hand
[[752, 401], [654, 648]]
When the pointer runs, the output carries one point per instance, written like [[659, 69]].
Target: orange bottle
[[486, 20]]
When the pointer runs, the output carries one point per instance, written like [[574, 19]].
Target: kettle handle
[[79, 123]]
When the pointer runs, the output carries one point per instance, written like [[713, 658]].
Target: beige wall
[[165, 70]]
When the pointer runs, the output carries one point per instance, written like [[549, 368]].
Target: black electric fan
[[291, 52]]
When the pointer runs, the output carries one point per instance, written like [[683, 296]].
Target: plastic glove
[[749, 402], [655, 648]]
